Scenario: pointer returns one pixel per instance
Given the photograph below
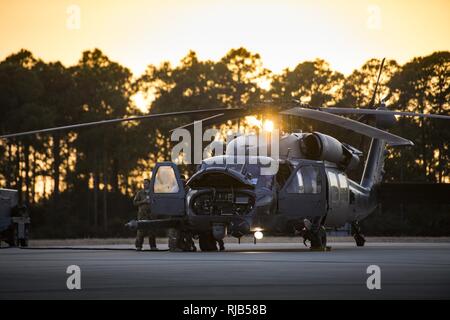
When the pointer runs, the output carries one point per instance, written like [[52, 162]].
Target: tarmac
[[409, 270]]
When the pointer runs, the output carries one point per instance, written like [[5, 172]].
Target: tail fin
[[374, 167]]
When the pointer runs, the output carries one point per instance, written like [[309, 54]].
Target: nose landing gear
[[181, 240]]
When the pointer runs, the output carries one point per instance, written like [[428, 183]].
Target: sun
[[252, 121], [268, 126], [140, 101]]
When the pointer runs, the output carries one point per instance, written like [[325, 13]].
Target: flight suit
[[142, 201]]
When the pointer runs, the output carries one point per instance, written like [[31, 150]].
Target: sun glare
[[252, 121], [265, 125], [140, 101], [268, 126]]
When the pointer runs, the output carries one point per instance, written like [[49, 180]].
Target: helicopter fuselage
[[235, 199], [308, 192]]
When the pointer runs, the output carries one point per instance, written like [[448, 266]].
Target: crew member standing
[[142, 201]]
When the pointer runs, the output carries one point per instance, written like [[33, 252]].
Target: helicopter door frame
[[167, 191], [338, 197], [304, 204]]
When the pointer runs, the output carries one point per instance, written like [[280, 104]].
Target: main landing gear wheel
[[207, 242], [318, 240], [180, 240], [360, 240], [23, 243], [357, 235]]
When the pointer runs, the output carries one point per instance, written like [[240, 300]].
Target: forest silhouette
[[79, 183]]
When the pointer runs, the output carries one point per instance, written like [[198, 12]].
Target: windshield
[[252, 171]]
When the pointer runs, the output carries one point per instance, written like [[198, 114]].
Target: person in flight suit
[[142, 201]]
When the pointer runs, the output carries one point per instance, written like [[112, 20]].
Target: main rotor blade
[[102, 122], [214, 120], [236, 113], [384, 112], [200, 120], [350, 124]]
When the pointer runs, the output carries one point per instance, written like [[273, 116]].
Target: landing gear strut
[[318, 239], [207, 242], [316, 235], [357, 235], [181, 240]]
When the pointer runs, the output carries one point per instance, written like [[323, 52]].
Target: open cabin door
[[167, 191], [304, 193], [338, 199]]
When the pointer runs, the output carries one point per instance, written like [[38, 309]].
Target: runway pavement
[[264, 271]]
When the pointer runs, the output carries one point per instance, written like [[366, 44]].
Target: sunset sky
[[136, 32]]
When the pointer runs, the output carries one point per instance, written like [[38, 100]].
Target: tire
[[360, 241], [319, 240], [23, 243], [207, 242], [185, 242], [181, 240]]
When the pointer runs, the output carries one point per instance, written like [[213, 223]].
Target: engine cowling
[[319, 146]]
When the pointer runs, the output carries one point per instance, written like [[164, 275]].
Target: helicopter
[[308, 193]]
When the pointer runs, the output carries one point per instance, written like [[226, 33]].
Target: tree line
[[80, 182]]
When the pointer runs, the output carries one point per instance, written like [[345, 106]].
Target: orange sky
[[136, 32]]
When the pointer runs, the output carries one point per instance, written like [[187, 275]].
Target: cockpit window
[[312, 179], [165, 181], [252, 171], [307, 179], [296, 185]]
